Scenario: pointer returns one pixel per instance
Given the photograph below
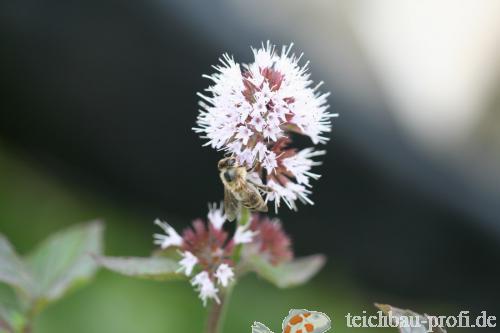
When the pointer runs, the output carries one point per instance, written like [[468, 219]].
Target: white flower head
[[224, 274], [244, 133], [300, 164], [259, 151], [270, 161], [271, 132], [243, 234], [246, 157], [250, 111], [205, 287], [171, 237], [258, 123], [216, 215], [289, 194], [273, 121], [187, 262]]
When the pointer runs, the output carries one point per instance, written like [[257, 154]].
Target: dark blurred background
[[98, 99]]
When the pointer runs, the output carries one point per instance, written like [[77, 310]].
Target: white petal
[[216, 216], [171, 237]]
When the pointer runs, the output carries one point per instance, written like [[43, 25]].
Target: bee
[[299, 321], [240, 188]]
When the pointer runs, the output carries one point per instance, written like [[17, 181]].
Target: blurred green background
[[34, 203], [97, 98]]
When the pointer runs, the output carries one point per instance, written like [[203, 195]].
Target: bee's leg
[[258, 185], [252, 169], [262, 207], [262, 187]]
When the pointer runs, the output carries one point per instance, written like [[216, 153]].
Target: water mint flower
[[213, 255], [206, 247], [243, 234], [224, 274], [187, 262], [206, 288], [271, 241], [211, 248], [171, 237], [251, 110], [216, 216]]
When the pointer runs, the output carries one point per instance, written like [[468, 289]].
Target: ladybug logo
[[299, 321]]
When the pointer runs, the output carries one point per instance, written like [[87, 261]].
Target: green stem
[[28, 324], [26, 328], [29, 317], [244, 216], [5, 325], [242, 221], [217, 313]]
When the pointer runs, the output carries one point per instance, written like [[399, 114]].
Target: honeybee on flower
[[250, 112]]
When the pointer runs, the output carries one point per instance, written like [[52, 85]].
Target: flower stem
[[6, 326], [26, 328], [242, 221], [244, 216], [217, 312]]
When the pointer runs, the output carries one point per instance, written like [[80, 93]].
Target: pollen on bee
[[295, 320], [287, 329], [307, 314]]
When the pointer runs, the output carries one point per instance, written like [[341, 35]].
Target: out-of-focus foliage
[[59, 264], [63, 260], [12, 270], [153, 268], [159, 267], [113, 303], [288, 274]]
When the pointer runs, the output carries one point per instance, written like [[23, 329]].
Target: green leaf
[[5, 320], [152, 268], [10, 320], [406, 317], [63, 262], [12, 270], [290, 274]]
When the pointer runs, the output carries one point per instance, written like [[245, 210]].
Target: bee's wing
[[260, 328], [253, 198], [230, 205], [254, 179]]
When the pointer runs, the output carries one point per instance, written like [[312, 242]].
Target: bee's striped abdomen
[[253, 200]]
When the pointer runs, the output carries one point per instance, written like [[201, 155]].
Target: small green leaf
[[12, 269], [407, 320], [11, 320], [152, 268], [290, 274], [170, 252], [5, 320], [63, 262]]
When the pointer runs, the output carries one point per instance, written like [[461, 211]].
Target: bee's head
[[227, 162]]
